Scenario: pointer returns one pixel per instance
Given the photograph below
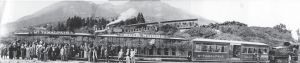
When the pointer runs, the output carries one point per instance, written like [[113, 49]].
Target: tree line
[[79, 23]]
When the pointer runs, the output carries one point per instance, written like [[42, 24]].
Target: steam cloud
[[130, 13], [295, 34]]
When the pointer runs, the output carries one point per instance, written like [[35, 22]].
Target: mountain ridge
[[60, 11]]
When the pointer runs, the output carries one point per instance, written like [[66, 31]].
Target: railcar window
[[223, 49], [265, 50], [209, 48], [158, 51], [214, 48], [198, 48], [173, 51], [204, 48], [218, 48], [245, 50], [254, 50], [166, 51], [151, 51], [250, 50], [184, 24], [139, 50], [145, 50]]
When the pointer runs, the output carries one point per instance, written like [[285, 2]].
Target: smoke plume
[[130, 13], [295, 34]]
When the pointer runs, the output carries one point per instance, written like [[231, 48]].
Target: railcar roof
[[228, 41], [87, 34], [163, 22]]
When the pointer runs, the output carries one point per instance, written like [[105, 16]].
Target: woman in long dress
[[106, 54], [15, 49], [32, 51], [120, 55], [86, 50], [38, 51], [132, 54], [62, 54], [23, 51], [67, 52], [127, 56], [28, 52], [102, 54]]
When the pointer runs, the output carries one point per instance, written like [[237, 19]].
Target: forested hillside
[[232, 30]]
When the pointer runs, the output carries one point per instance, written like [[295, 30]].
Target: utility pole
[[93, 13], [298, 35]]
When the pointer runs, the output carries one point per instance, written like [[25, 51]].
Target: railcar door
[[235, 52]]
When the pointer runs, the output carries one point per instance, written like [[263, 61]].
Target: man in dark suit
[[10, 51]]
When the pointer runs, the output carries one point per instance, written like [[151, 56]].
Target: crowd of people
[[45, 52]]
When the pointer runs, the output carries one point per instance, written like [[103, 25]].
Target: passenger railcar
[[211, 50]]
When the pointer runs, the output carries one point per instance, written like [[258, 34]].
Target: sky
[[263, 13]]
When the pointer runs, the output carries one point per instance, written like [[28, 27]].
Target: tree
[[49, 27], [281, 28], [201, 32], [140, 18], [226, 36], [234, 23], [31, 28], [131, 21], [168, 29], [74, 23], [102, 23], [69, 24], [90, 22], [60, 27], [231, 29], [211, 25]]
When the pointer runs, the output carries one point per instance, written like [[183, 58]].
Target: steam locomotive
[[150, 26], [284, 54]]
